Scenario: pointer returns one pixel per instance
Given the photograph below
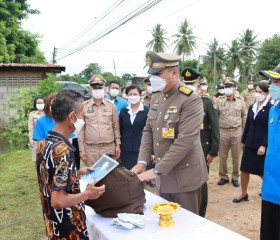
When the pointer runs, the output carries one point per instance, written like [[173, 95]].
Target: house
[[17, 75]]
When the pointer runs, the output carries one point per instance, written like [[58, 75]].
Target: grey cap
[[159, 61]]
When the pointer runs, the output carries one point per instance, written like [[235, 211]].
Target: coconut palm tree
[[249, 45], [233, 55], [158, 43], [185, 41]]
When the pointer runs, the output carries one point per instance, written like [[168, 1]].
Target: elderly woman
[[254, 139]]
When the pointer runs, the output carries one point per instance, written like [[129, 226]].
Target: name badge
[[90, 110], [202, 126], [168, 133]]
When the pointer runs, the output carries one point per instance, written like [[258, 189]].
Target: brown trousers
[[230, 141], [94, 152], [187, 200]]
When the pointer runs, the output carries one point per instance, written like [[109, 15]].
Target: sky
[[68, 24]]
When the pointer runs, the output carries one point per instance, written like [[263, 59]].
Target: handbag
[[124, 193]]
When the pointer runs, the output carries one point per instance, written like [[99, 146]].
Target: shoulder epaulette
[[205, 95], [185, 90], [85, 102], [110, 101]]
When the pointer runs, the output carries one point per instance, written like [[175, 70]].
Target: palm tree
[[185, 41], [249, 45], [234, 60], [214, 61], [158, 43]]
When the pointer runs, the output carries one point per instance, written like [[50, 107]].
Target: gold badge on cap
[[188, 74], [149, 62]]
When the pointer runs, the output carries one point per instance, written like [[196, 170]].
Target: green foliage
[[21, 210], [16, 44], [91, 69], [159, 41], [269, 53], [48, 86]]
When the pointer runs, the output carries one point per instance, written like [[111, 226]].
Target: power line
[[123, 21]]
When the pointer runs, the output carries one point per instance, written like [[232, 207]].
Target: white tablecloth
[[188, 226]]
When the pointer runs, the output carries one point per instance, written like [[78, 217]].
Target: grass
[[20, 207]]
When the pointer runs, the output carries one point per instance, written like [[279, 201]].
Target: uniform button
[[207, 143], [157, 144], [150, 117], [157, 129], [159, 112], [164, 99], [158, 159], [187, 165]]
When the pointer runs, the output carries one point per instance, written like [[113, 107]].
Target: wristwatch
[[156, 172]]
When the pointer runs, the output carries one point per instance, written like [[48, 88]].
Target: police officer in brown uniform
[[148, 91], [172, 133], [232, 117], [101, 132], [249, 94], [209, 130]]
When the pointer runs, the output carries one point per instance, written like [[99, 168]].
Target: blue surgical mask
[[274, 91]]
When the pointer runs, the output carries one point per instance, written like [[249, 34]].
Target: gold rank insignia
[[185, 90]]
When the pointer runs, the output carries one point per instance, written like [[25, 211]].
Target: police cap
[[190, 76]]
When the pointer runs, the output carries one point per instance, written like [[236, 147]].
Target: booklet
[[100, 169]]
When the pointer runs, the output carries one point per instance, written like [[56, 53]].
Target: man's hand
[[31, 144], [83, 156], [139, 168], [82, 171], [94, 192], [146, 176], [118, 151], [209, 159], [261, 151], [242, 146]]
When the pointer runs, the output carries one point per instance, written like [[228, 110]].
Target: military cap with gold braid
[[190, 76], [274, 74], [159, 61], [203, 81], [229, 82], [97, 80]]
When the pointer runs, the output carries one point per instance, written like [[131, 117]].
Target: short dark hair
[[131, 87], [47, 109], [65, 102], [35, 100], [114, 81], [263, 85]]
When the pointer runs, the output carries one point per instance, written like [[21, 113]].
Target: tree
[[249, 45], [268, 53], [91, 69], [17, 45], [185, 41], [126, 76], [233, 56], [158, 43]]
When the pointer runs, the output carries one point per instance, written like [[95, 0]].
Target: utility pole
[[114, 67], [54, 55], [214, 68]]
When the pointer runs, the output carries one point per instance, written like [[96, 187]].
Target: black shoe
[[223, 181], [235, 183], [151, 183], [238, 200]]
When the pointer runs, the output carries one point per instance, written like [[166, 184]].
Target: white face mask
[[192, 87], [228, 91], [114, 92], [98, 93], [133, 99], [124, 96], [40, 106], [222, 91], [78, 124], [204, 87], [158, 83], [250, 86], [259, 97], [149, 89]]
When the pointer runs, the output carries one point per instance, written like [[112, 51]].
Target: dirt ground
[[243, 218]]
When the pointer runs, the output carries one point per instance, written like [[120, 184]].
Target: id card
[[168, 133]]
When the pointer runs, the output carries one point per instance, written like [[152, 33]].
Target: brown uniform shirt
[[147, 100], [231, 113], [249, 97], [33, 116], [178, 156], [101, 124]]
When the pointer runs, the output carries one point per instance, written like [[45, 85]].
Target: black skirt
[[251, 162]]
